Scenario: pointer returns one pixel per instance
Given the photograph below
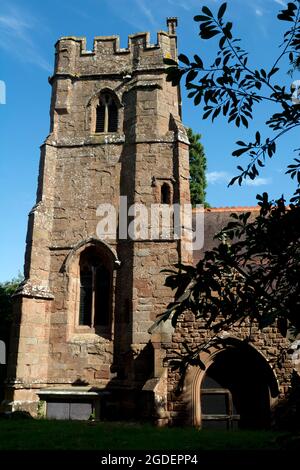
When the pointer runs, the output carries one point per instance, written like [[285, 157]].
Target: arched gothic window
[[95, 290], [106, 114]]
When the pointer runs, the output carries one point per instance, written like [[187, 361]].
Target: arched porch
[[237, 388]]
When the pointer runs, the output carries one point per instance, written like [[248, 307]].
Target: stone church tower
[[80, 342], [84, 310]]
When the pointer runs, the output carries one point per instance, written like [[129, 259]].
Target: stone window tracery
[[95, 290], [106, 114]]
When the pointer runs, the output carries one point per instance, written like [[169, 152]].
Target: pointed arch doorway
[[235, 391]]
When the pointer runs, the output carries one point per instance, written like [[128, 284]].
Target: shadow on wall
[[114, 402], [287, 413]]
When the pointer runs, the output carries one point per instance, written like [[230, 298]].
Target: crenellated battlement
[[72, 56], [112, 43]]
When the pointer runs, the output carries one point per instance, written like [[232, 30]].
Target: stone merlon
[[107, 57]]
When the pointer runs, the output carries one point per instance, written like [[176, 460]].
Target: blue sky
[[28, 32]]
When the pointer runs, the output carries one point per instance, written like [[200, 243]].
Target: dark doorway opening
[[235, 391]]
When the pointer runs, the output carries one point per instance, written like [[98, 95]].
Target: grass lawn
[[70, 435]]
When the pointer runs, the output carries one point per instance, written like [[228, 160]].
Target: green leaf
[[198, 61], [209, 34], [207, 12], [226, 108], [216, 113], [284, 17], [201, 18], [175, 76], [291, 6], [207, 113], [168, 61], [239, 152], [263, 73], [222, 10], [192, 74], [233, 180], [244, 121], [222, 42], [227, 30], [197, 99], [273, 71], [183, 58], [270, 151]]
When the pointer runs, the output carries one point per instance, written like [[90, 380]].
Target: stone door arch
[[236, 389]]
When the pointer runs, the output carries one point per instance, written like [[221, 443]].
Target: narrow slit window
[[165, 194]]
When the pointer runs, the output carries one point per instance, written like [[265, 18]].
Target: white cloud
[[147, 12], [217, 177], [182, 4], [280, 2], [140, 16], [16, 30], [13, 23], [258, 182], [258, 12]]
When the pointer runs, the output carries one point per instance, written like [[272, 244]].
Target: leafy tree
[[230, 88], [254, 272], [198, 165], [7, 289]]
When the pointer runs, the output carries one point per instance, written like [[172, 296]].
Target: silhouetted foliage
[[230, 88], [7, 289], [254, 271]]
